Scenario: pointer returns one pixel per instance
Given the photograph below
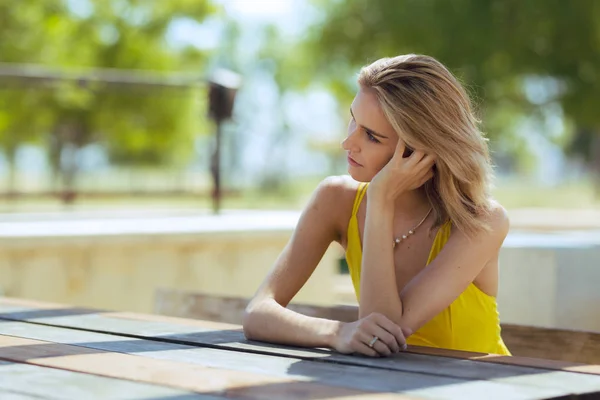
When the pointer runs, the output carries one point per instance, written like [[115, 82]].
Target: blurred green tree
[[22, 116], [136, 122], [517, 57], [18, 127]]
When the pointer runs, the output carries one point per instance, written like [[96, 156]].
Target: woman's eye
[[371, 137]]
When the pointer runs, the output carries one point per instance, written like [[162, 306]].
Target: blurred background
[[148, 143]]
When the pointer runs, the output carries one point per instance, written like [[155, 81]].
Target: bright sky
[[291, 16], [261, 9]]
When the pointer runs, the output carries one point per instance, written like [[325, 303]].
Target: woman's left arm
[[437, 285]]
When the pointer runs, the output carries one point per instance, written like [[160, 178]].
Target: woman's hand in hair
[[401, 174], [355, 337]]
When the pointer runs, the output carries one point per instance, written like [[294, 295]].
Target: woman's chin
[[357, 176]]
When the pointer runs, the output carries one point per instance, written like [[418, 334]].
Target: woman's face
[[371, 140]]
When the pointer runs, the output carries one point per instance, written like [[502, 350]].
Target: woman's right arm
[[267, 318]]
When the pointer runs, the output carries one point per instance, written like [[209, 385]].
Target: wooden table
[[50, 351]]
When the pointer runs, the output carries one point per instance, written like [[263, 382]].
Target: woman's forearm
[[270, 322], [378, 290]]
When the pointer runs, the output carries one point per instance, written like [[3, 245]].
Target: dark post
[[221, 96]]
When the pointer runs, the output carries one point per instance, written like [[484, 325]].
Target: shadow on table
[[318, 373], [27, 315]]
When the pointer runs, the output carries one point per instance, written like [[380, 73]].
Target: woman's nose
[[349, 143], [345, 144]]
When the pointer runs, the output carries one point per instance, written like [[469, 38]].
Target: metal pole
[[216, 170]]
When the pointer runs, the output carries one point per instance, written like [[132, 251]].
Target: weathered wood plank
[[18, 393], [5, 395], [560, 383], [278, 367], [326, 373], [26, 381], [555, 344], [190, 304], [9, 395], [523, 341], [211, 334], [186, 376]]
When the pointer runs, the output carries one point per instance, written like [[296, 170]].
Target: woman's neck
[[412, 205]]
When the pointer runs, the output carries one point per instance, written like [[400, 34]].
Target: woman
[[420, 230]]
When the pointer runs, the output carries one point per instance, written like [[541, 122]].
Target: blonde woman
[[420, 230]]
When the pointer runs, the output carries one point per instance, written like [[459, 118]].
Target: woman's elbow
[[248, 323], [250, 320]]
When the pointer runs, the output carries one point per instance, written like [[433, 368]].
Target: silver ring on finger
[[373, 341]]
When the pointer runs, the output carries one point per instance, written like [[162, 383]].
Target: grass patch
[[510, 193]]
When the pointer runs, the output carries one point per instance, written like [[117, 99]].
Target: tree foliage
[[497, 47], [136, 124]]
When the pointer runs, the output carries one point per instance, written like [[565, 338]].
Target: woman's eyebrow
[[371, 131]]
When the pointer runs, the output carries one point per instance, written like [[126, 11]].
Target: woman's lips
[[353, 163]]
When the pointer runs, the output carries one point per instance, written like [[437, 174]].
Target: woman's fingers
[[375, 335], [387, 338], [423, 170], [428, 160], [382, 348], [396, 159], [362, 348], [424, 178], [393, 329], [379, 345], [415, 158], [400, 148]]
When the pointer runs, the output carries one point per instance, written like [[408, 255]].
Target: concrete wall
[[123, 273], [551, 280], [546, 280], [117, 264]]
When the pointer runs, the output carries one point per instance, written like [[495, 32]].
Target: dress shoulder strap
[[360, 193]]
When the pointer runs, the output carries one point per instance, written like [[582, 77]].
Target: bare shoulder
[[498, 223], [334, 197], [336, 191], [498, 220]]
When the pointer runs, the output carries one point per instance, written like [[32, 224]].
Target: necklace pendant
[[412, 231]]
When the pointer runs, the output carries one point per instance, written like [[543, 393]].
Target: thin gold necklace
[[399, 239]]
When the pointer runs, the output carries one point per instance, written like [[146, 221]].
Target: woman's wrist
[[380, 207], [380, 199], [332, 332]]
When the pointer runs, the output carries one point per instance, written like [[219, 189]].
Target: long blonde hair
[[430, 110]]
